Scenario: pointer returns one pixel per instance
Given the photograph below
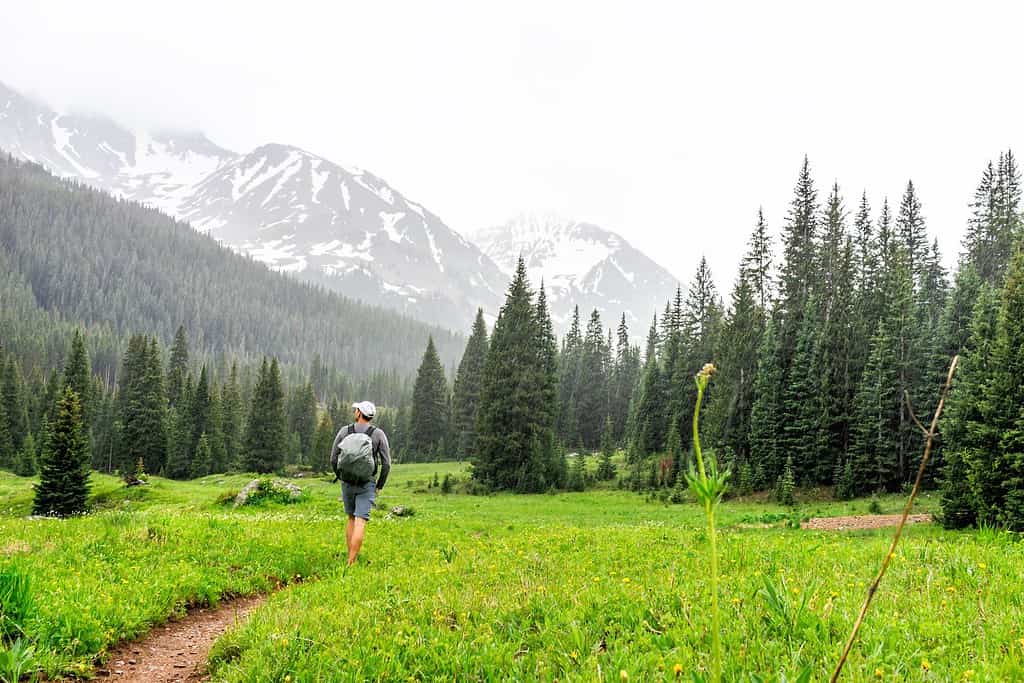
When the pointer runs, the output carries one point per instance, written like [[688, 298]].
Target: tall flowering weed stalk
[[929, 436], [708, 486]]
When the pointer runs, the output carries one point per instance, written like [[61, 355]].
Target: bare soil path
[[861, 522], [176, 652]]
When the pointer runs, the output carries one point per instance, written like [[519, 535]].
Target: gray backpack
[[354, 463]]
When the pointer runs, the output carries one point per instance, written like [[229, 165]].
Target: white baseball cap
[[366, 408]]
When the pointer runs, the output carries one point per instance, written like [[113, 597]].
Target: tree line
[[823, 354]]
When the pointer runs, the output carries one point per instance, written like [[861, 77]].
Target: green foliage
[[605, 467], [429, 409], [266, 433], [786, 486], [514, 422], [16, 602], [16, 661], [466, 391], [64, 473]]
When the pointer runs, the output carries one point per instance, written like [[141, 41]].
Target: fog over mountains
[[339, 226]]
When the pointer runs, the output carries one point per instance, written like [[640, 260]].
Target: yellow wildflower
[[879, 672], [982, 566], [678, 670], [926, 665], [969, 674], [623, 675]]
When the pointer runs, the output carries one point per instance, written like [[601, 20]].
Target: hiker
[[359, 450]]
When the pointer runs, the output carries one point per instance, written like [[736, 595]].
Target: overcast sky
[[668, 122]]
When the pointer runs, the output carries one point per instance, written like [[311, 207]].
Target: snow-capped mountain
[[581, 263], [297, 212]]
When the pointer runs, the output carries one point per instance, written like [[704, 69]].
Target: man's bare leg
[[358, 526], [348, 533]]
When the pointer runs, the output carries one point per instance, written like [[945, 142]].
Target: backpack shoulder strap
[[370, 430], [351, 429]]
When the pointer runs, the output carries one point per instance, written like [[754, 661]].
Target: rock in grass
[[260, 490]]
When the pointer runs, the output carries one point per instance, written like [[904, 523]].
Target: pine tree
[[6, 443], [970, 480], [766, 422], [232, 417], [674, 451], [652, 417], [199, 410], [26, 462], [302, 420], [178, 367], [756, 266], [14, 404], [202, 463], [64, 475], [1004, 408], [910, 224], [78, 376], [875, 427], [567, 422], [546, 378], [266, 436], [730, 405], [429, 407], [625, 376], [179, 436], [508, 423], [605, 468], [141, 408], [323, 439], [804, 405], [466, 394], [799, 240], [591, 392]]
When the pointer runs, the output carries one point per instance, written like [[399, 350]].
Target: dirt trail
[[176, 652], [861, 522]]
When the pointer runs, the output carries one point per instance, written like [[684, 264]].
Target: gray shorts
[[358, 499]]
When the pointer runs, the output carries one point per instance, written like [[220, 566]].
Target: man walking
[[354, 447]]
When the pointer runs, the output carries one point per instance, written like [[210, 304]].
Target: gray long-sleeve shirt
[[381, 449]]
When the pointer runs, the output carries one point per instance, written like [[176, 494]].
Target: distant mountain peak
[[339, 226], [579, 263]]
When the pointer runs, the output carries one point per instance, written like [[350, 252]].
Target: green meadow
[[598, 586]]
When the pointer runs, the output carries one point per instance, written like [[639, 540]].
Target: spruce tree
[[141, 408], [323, 439], [756, 266], [546, 378], [14, 404], [202, 462], [910, 224], [26, 463], [302, 420], [178, 366], [1004, 407], [605, 468], [766, 416], [6, 443], [64, 473], [567, 422], [508, 422], [591, 392], [232, 414], [797, 272], [429, 407], [803, 438], [78, 376], [466, 394], [266, 436]]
